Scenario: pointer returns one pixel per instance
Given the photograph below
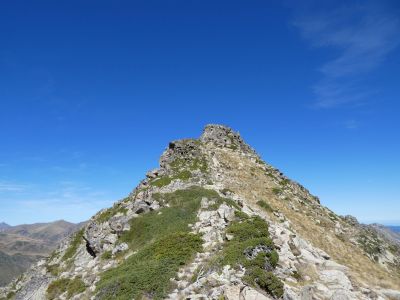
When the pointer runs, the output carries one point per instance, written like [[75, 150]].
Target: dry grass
[[249, 181]]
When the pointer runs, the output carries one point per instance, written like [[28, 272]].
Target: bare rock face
[[224, 137], [255, 234]]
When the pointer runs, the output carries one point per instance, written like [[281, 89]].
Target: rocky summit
[[215, 221]]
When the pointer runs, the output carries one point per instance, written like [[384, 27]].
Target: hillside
[[4, 226], [22, 245], [388, 233], [214, 221]]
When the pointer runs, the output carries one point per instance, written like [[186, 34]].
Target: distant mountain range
[[22, 245], [391, 233], [4, 226]]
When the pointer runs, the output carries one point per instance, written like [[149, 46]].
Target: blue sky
[[92, 91]]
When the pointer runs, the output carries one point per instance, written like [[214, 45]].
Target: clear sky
[[91, 92]]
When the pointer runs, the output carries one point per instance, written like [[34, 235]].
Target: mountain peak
[[4, 225], [216, 222], [224, 136]]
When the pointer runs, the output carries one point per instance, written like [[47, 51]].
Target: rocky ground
[[216, 222]]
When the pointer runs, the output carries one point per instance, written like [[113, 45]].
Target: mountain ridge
[[22, 245], [215, 221], [3, 226]]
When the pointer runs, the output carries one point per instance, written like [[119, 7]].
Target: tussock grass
[[60, 286]]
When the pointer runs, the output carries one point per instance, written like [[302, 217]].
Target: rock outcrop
[[216, 222]]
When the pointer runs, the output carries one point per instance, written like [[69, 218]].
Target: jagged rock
[[226, 212], [340, 295], [294, 249], [307, 293], [140, 207], [120, 248], [153, 173], [224, 136]]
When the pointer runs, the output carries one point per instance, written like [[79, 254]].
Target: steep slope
[[13, 265], [22, 245], [216, 222]]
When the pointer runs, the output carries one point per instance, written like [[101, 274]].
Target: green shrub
[[106, 255], [285, 182], [265, 205], [241, 215], [53, 269], [394, 249], [73, 246], [10, 296], [371, 246], [265, 280], [276, 190], [248, 233]]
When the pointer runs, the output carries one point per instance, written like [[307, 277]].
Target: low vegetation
[[53, 269], [276, 190], [265, 205], [60, 286], [165, 180], [192, 165], [148, 272], [107, 214], [162, 243], [248, 234], [182, 170], [106, 255], [371, 246], [9, 296]]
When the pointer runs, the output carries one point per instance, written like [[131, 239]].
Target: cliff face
[[216, 222]]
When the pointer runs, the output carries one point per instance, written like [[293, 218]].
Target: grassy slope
[[251, 183], [163, 243]]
